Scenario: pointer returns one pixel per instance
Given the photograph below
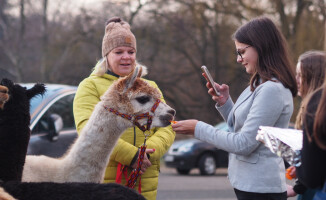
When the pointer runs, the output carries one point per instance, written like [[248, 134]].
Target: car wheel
[[183, 171], [207, 164]]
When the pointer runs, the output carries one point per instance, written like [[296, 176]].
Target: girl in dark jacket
[[312, 171], [310, 75]]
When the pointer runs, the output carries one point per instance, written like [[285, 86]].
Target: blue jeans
[[308, 195], [321, 193], [242, 195]]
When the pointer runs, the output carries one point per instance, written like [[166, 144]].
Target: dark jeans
[[241, 195]]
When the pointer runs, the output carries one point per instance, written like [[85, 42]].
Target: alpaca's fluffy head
[[18, 104], [133, 95]]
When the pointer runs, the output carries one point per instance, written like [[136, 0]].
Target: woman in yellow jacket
[[119, 59]]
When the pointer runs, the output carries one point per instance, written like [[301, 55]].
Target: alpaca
[[87, 159], [14, 123], [15, 112], [67, 191]]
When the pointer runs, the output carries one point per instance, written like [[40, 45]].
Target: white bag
[[286, 143]]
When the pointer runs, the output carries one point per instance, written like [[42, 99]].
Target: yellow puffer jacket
[[88, 95]]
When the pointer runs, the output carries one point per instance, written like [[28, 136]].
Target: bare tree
[[6, 63], [44, 65], [174, 38], [21, 43]]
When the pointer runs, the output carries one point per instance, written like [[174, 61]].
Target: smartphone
[[210, 79]]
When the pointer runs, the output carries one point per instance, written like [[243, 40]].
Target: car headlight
[[185, 148], [180, 147]]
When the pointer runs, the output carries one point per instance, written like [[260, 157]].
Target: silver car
[[52, 122]]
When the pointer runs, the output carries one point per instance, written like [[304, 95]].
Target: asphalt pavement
[[173, 186]]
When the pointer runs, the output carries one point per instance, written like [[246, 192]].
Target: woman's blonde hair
[[102, 67]]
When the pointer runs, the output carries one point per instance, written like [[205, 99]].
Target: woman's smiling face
[[248, 58], [122, 60]]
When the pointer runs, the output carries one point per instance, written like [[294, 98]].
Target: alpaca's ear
[[131, 78], [37, 89]]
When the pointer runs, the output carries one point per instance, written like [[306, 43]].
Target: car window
[[62, 107], [35, 102]]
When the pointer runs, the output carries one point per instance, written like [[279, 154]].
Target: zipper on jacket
[[134, 136]]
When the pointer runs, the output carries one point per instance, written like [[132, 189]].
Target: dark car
[[52, 121], [188, 154]]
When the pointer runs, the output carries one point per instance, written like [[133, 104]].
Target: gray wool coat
[[252, 166]]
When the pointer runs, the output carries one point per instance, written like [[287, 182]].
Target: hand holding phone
[[210, 80]]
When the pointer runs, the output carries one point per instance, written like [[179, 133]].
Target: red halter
[[135, 173], [135, 118]]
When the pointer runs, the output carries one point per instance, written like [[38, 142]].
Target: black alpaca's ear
[[6, 82], [37, 89]]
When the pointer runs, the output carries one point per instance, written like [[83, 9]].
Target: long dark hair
[[273, 56], [313, 70]]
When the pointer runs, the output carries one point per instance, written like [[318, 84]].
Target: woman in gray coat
[[254, 171]]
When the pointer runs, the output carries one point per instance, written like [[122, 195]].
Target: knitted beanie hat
[[117, 34]]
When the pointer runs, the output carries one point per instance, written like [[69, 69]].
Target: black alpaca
[[70, 191], [14, 123], [14, 138]]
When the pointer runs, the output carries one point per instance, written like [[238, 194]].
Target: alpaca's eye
[[143, 99]]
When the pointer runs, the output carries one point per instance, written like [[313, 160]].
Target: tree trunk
[[325, 36], [21, 45], [43, 69]]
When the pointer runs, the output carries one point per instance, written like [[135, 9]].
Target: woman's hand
[[292, 171], [289, 191], [146, 163], [185, 127], [224, 92]]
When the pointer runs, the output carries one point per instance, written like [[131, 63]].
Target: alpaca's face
[[142, 99], [134, 96], [4, 97]]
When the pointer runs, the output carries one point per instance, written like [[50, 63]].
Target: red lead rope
[[135, 173], [122, 169]]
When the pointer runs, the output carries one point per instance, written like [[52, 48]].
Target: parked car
[[52, 121], [185, 155]]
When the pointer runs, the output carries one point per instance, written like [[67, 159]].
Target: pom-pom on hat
[[117, 34]]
